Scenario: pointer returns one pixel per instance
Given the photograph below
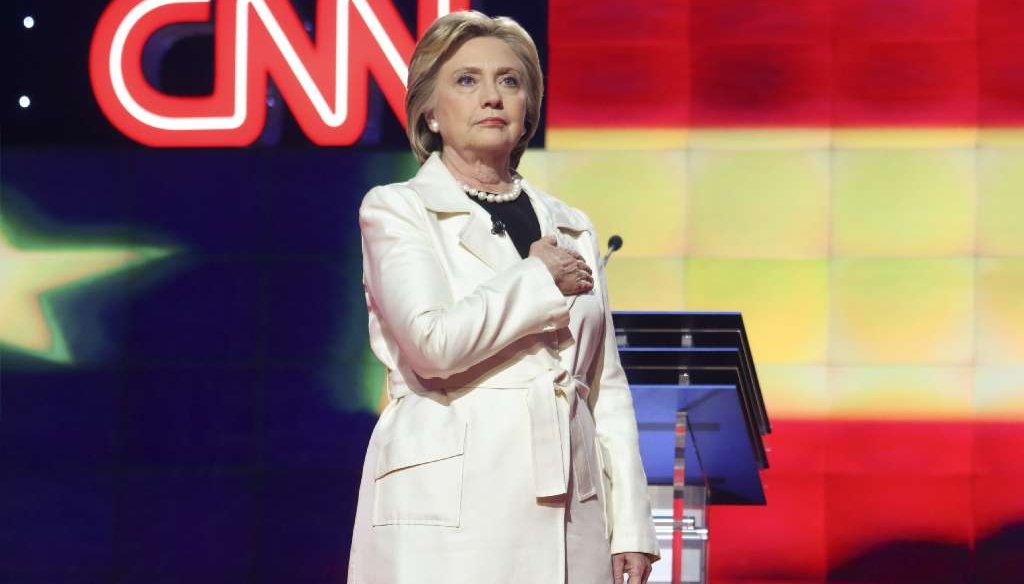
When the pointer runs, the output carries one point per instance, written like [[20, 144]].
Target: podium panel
[[701, 418]]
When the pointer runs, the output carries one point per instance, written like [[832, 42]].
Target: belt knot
[[556, 434]]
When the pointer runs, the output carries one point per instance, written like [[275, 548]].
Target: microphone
[[498, 227], [614, 244]]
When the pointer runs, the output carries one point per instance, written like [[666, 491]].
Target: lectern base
[[693, 533]]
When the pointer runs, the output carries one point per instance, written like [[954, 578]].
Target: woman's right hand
[[570, 271]]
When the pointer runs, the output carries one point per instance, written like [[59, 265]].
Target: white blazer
[[480, 345]]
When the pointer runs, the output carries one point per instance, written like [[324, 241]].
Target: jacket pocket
[[418, 479]]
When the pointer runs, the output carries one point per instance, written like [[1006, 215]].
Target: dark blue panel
[[313, 199], [719, 433], [308, 421], [212, 310], [311, 514], [211, 202], [181, 416], [94, 318], [175, 527], [57, 417], [56, 528], [77, 190], [316, 310]]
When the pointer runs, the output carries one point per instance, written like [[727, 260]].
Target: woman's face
[[480, 99]]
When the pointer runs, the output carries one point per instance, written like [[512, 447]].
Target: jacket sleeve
[[405, 280], [632, 528]]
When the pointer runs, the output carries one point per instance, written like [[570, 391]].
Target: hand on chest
[[472, 251]]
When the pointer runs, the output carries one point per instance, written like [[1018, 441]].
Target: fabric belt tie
[[556, 435]]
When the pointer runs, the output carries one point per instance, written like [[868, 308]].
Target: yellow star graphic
[[29, 276]]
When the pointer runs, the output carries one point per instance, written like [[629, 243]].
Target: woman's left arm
[[632, 528]]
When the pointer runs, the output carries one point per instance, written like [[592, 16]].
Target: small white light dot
[[29, 22], [271, 102], [24, 101]]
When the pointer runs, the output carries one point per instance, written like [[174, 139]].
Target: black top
[[518, 220]]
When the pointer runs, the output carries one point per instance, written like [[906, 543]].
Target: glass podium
[[701, 420]]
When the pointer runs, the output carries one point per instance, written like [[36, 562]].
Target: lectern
[[701, 419]]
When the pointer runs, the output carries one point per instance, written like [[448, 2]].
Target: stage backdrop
[[186, 386]]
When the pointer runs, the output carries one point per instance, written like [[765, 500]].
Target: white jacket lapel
[[441, 194]]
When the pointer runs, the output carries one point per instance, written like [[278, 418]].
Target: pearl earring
[[434, 126]]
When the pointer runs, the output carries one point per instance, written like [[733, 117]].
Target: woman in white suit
[[508, 452]]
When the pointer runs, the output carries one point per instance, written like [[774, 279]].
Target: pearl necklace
[[517, 189]]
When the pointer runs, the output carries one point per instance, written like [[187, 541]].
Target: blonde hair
[[444, 37]]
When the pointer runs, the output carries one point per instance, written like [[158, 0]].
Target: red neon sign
[[323, 83]]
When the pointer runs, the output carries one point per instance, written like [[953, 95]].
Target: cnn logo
[[324, 83]]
